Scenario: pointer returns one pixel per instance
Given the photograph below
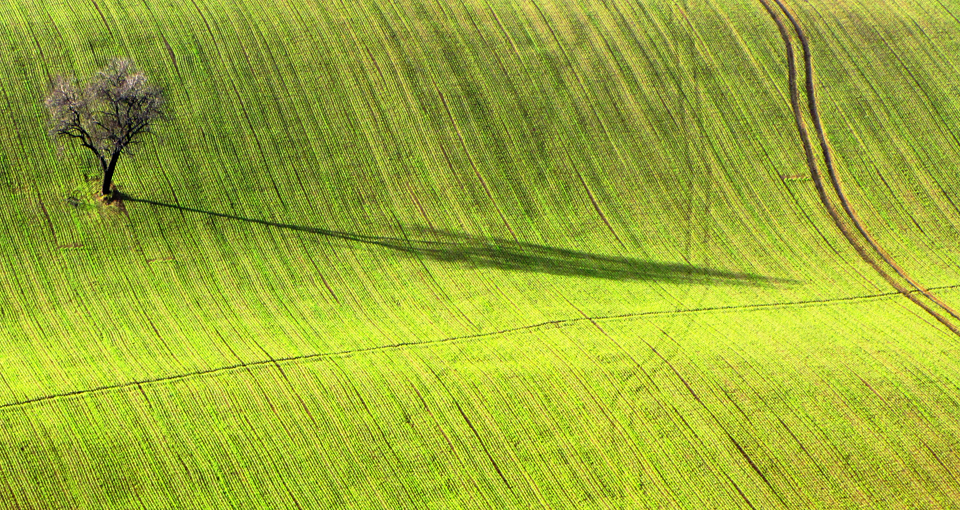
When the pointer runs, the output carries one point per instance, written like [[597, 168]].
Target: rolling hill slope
[[483, 254]]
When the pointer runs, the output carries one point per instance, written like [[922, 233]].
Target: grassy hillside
[[481, 254]]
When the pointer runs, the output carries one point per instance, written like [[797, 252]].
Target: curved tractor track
[[834, 180]]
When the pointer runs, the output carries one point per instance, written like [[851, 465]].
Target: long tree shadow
[[513, 255]]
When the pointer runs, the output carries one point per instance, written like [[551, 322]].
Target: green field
[[483, 254]]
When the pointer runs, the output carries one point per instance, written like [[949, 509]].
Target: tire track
[[832, 172], [828, 159]]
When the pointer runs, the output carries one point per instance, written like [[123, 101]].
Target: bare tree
[[108, 115]]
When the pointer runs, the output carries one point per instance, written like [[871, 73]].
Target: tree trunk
[[108, 173]]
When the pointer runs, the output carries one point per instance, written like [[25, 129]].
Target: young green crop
[[480, 254]]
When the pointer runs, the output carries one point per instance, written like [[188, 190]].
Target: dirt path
[[828, 159]]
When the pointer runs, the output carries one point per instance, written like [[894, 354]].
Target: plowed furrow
[[828, 159]]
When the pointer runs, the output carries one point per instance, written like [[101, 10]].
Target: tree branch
[[108, 115]]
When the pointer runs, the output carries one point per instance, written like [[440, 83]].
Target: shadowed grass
[[512, 255]]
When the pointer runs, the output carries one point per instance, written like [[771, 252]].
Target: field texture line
[[557, 323], [818, 179]]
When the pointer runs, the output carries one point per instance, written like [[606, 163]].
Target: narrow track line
[[476, 434], [588, 387], [559, 323], [348, 383], [454, 451], [696, 397], [818, 180], [473, 165], [49, 222], [242, 106], [482, 400], [102, 17], [596, 206]]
